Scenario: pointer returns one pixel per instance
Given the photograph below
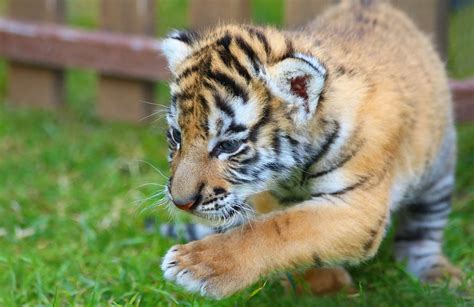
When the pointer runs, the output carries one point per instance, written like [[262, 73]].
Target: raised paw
[[210, 267]]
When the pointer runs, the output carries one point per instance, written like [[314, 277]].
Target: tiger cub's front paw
[[210, 266]]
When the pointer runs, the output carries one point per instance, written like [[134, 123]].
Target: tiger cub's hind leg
[[320, 281], [418, 239], [186, 232]]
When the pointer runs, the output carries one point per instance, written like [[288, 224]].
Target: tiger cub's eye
[[229, 146], [176, 135]]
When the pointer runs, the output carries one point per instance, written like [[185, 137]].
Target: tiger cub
[[328, 130]]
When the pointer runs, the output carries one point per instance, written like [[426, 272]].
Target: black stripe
[[236, 128], [264, 119], [426, 209], [188, 71], [274, 166], [289, 50], [442, 199], [276, 142], [206, 84], [170, 231], [187, 37], [329, 140], [261, 37], [368, 245], [425, 255], [174, 100], [191, 232], [240, 181], [249, 52], [252, 159], [291, 140], [226, 56], [229, 84], [373, 235], [224, 107], [203, 118], [219, 125], [420, 233], [244, 170], [416, 236], [219, 190], [244, 151], [231, 61], [337, 165], [240, 153], [333, 168], [240, 68], [183, 96], [203, 103], [344, 190], [224, 41], [311, 64]]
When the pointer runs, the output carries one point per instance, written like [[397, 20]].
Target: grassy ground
[[72, 226], [71, 229]]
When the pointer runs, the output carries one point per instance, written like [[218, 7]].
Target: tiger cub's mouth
[[224, 211]]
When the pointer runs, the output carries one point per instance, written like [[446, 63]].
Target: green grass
[[461, 43], [83, 13], [267, 12], [72, 229]]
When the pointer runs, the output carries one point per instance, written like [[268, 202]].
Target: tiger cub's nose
[[187, 204]]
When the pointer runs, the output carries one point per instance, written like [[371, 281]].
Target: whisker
[[149, 115], [149, 197], [154, 167], [147, 184], [155, 104]]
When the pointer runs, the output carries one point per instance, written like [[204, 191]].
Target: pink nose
[[187, 203], [186, 206]]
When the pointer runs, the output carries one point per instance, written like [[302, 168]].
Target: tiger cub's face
[[241, 100]]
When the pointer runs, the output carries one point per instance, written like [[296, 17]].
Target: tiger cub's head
[[242, 101]]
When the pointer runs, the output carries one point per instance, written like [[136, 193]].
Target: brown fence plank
[[463, 96], [204, 13], [124, 99], [60, 47], [299, 12], [34, 85], [128, 56]]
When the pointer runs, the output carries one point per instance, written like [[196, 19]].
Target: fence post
[[123, 98], [432, 18], [299, 12], [29, 84], [203, 13]]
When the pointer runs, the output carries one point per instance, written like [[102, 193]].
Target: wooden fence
[[39, 47]]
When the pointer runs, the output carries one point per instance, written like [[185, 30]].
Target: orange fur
[[388, 88]]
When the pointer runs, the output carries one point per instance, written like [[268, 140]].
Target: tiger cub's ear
[[298, 80], [177, 46]]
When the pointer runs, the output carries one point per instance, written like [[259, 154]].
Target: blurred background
[[83, 152]]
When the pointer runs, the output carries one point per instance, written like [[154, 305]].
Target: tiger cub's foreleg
[[348, 228]]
